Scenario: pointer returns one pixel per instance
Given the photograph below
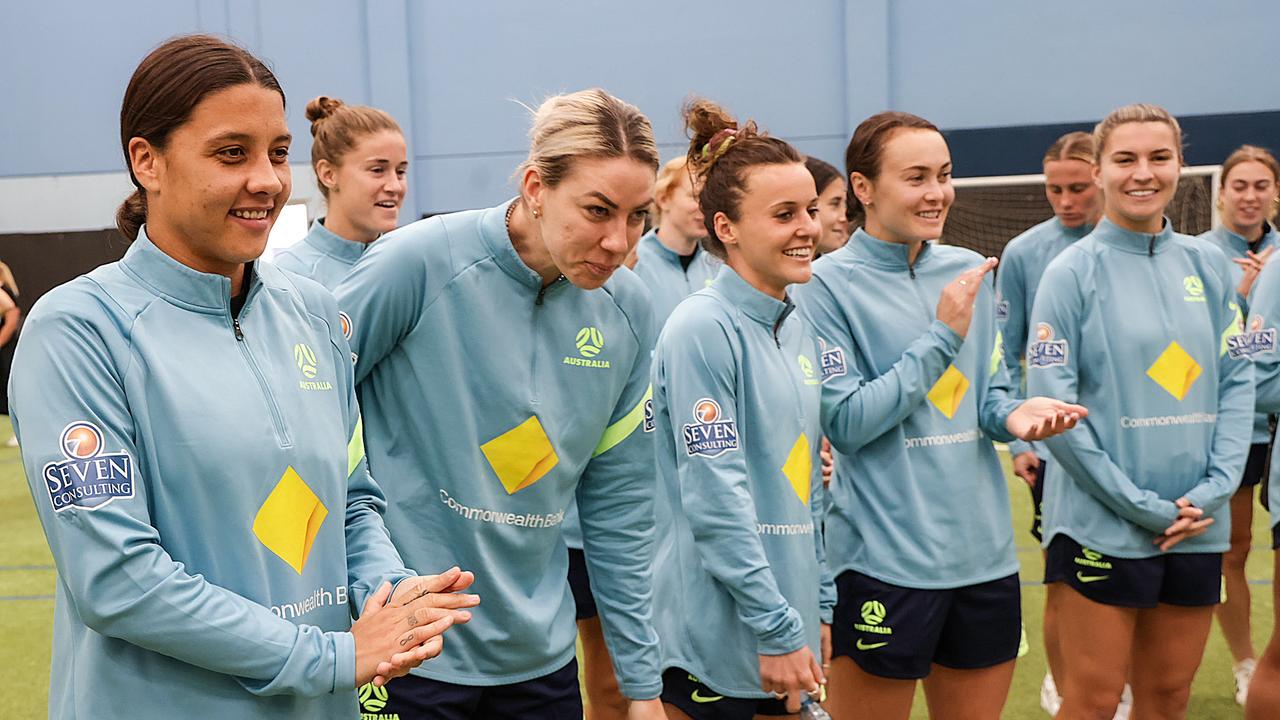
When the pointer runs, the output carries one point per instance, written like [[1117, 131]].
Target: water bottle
[[811, 710]]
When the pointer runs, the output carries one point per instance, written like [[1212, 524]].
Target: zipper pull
[[542, 291], [1151, 246], [235, 325]]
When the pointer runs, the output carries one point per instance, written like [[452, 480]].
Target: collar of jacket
[[330, 243], [497, 242], [886, 255], [667, 254], [183, 286], [1076, 232], [766, 310], [1110, 234], [1242, 245]]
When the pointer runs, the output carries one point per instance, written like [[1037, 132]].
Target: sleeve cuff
[[950, 340], [344, 668], [786, 639], [641, 691]]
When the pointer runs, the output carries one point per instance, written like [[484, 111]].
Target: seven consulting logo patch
[[1045, 351], [88, 478], [709, 435]]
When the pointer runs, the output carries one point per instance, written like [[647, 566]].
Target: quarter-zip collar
[[667, 254], [1108, 233], [1243, 245], [332, 244], [886, 255], [1075, 233], [185, 287], [768, 311], [497, 242]]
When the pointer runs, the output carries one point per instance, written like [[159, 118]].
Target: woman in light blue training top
[[1259, 341], [1247, 197], [1138, 322], [914, 391], [192, 442], [742, 596], [359, 157], [503, 363]]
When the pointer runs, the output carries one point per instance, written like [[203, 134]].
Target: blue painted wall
[[451, 72]]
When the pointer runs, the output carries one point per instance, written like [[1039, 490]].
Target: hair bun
[[322, 107]]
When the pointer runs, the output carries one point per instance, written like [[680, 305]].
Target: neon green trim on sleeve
[[622, 429], [1233, 328], [355, 447]]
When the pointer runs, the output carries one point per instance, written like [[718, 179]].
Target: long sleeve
[[371, 557], [1053, 371], [383, 295], [818, 509], [858, 410], [1002, 397], [116, 574], [715, 495], [1260, 340], [1012, 317], [1232, 431], [616, 511]]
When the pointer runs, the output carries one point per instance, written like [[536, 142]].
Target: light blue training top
[[1138, 328], [322, 255], [202, 485], [490, 402], [919, 497], [740, 569]]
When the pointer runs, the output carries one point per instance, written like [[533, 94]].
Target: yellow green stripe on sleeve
[[622, 429], [355, 447]]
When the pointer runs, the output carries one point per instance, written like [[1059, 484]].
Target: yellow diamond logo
[[289, 519], [947, 393], [1175, 371], [799, 468], [521, 455]]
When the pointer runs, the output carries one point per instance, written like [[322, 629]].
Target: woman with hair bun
[[191, 437], [1247, 202], [503, 363], [743, 597], [359, 157]]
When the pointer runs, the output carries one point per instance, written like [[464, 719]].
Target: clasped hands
[[399, 631]]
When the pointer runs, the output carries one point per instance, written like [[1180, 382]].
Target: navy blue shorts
[[550, 697], [1037, 499], [580, 585], [699, 702], [899, 632], [1256, 466], [1186, 579]]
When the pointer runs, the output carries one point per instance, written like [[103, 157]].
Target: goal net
[[991, 211]]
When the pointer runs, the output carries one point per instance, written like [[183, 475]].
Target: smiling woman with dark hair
[[189, 427]]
